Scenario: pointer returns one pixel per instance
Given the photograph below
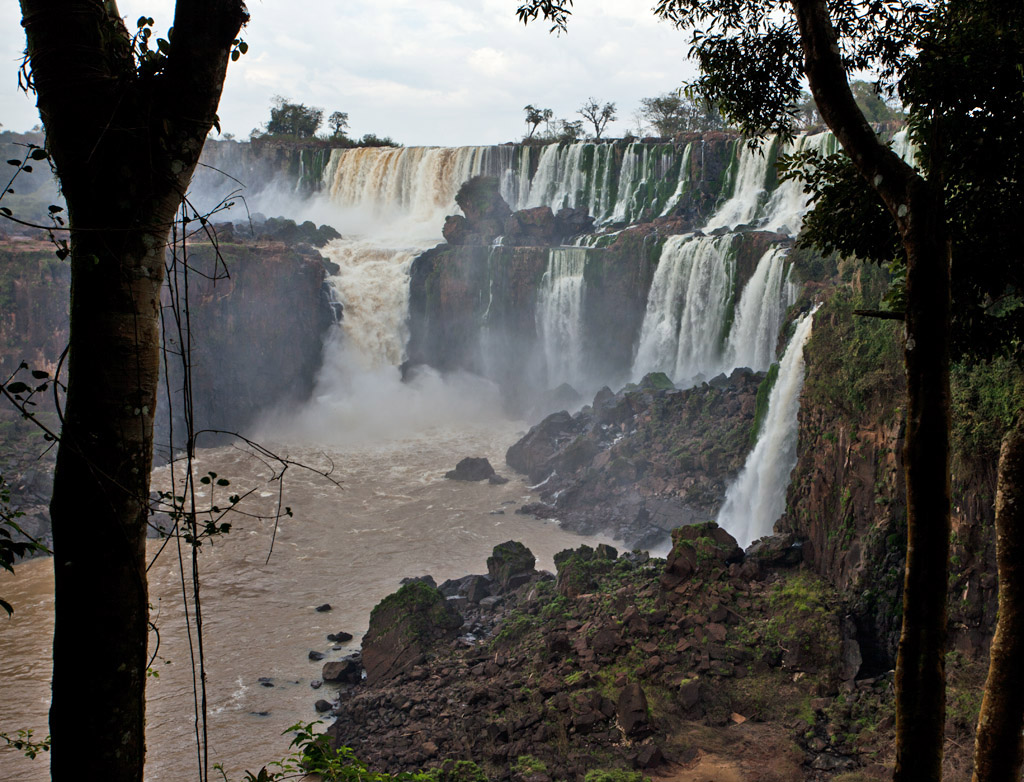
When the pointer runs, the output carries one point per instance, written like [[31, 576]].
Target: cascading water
[[758, 496], [559, 316], [686, 308], [788, 203], [748, 191], [759, 314]]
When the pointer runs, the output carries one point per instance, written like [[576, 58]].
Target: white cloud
[[445, 72]]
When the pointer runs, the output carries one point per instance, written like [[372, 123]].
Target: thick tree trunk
[[125, 144], [917, 210], [998, 748]]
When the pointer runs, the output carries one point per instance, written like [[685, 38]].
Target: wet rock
[[316, 684], [345, 671], [321, 705], [428, 580], [497, 480], [403, 626], [507, 560], [315, 655], [776, 551], [339, 637], [472, 468], [322, 608]]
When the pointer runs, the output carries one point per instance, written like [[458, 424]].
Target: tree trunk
[[998, 748], [124, 143], [916, 207]]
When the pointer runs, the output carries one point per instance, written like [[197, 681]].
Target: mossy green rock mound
[[700, 548], [403, 626], [509, 563]]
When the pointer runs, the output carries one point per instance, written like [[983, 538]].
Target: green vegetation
[[613, 775], [986, 397], [764, 392]]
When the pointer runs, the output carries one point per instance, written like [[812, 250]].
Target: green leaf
[[163, 45], [243, 47], [39, 154], [54, 209], [6, 211], [17, 387], [205, 479], [27, 169], [142, 21], [235, 55], [223, 482], [14, 163], [40, 374]]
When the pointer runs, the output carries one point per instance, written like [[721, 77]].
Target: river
[[394, 516]]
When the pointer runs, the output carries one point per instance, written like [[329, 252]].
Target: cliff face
[[257, 335], [847, 496]]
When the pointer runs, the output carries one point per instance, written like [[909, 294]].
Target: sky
[[425, 72]]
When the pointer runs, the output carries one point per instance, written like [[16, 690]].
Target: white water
[[686, 308], [759, 314], [788, 203], [559, 316], [758, 497], [748, 191]]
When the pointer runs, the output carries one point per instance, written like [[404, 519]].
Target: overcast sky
[[437, 72]]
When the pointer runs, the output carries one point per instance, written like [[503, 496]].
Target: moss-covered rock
[[509, 560], [403, 626]]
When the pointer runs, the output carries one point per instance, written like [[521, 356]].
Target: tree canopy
[[597, 115], [294, 119]]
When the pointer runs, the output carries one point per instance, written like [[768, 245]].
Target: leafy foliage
[[535, 116], [680, 112], [293, 119]]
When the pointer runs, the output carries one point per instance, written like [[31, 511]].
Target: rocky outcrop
[[472, 468], [728, 675], [638, 463], [403, 628], [257, 332]]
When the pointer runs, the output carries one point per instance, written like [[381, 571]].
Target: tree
[[125, 124], [534, 117], [293, 119], [680, 112], [754, 56], [597, 115], [338, 122]]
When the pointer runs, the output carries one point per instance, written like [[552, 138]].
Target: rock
[[339, 637], [480, 199], [631, 712], [477, 588], [776, 551], [314, 655], [649, 756], [472, 468], [403, 626], [321, 705], [540, 444], [536, 227], [316, 684], [428, 580], [701, 546], [266, 681], [322, 608], [345, 671], [507, 560], [498, 480]]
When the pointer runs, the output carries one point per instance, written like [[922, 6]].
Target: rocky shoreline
[[711, 664]]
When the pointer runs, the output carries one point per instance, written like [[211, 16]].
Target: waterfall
[[748, 189], [759, 314], [686, 308], [788, 202], [758, 496], [559, 316]]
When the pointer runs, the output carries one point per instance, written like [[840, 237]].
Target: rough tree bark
[[124, 144], [917, 209], [999, 748]]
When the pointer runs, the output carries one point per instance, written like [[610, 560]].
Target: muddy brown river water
[[394, 516]]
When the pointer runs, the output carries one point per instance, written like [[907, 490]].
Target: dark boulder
[[403, 627], [472, 468], [508, 562], [631, 712], [347, 670]]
